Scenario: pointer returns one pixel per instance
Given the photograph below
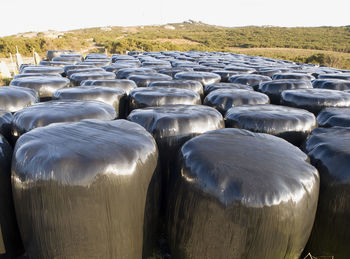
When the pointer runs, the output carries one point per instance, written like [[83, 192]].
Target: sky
[[41, 15]]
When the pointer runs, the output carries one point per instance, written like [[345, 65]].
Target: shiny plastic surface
[[205, 78], [314, 100], [157, 96], [224, 99], [249, 79], [143, 80], [300, 76], [77, 78], [212, 87], [332, 84], [43, 69], [123, 84], [5, 124], [331, 117], [291, 124], [80, 189], [240, 194], [43, 114], [329, 153], [192, 85], [14, 98], [44, 86]]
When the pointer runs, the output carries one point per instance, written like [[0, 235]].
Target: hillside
[[329, 45]]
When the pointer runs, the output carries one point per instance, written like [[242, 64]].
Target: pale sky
[[40, 15]]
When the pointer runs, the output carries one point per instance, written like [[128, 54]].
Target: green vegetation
[[330, 45]]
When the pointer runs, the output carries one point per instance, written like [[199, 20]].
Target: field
[[328, 46]]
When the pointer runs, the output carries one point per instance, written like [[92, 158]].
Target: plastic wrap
[[205, 78], [330, 154], [342, 76], [249, 79], [240, 69], [125, 72], [80, 189], [54, 63], [43, 69], [173, 71], [123, 84], [10, 240], [291, 124], [43, 114], [76, 67], [116, 58], [36, 74], [43, 86], [314, 100], [69, 59], [114, 97], [225, 74], [240, 194], [267, 72], [224, 99], [14, 98], [300, 76], [331, 117], [95, 62], [158, 96], [116, 67], [192, 85], [274, 88], [93, 69], [50, 54], [5, 125], [332, 84], [204, 68], [143, 80], [77, 78], [209, 88]]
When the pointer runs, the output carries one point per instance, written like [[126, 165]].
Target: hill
[[326, 45]]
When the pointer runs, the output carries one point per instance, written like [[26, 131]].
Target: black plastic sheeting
[[43, 114], [249, 79], [143, 80], [300, 76], [192, 85], [43, 86], [10, 240], [225, 74], [240, 194], [158, 96], [54, 63], [114, 97], [332, 84], [314, 100], [126, 72], [224, 99], [205, 78], [209, 88], [80, 189], [329, 152], [71, 72], [343, 76], [14, 98], [274, 88], [77, 67], [36, 74], [77, 78], [240, 69], [43, 69], [50, 54], [173, 71], [123, 84], [291, 124], [5, 124], [331, 117]]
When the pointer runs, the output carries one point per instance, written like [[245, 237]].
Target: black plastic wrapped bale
[[205, 78], [76, 67], [143, 80], [10, 241], [172, 126], [116, 67], [114, 97], [43, 69], [332, 117], [249, 79], [80, 189], [69, 59], [158, 96], [123, 84], [126, 72], [173, 71], [291, 124], [54, 63], [50, 54], [342, 76], [232, 86], [96, 62], [332, 84], [192, 85], [43, 86], [224, 99], [43, 114], [5, 125], [240, 69], [94, 69], [14, 98], [225, 74], [77, 78], [300, 76], [267, 72], [36, 74], [314, 100], [274, 88], [240, 194], [329, 152]]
